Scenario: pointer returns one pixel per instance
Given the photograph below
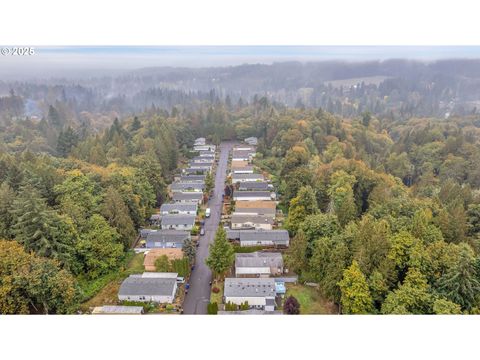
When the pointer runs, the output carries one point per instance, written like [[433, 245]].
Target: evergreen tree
[[7, 197], [118, 216], [296, 257], [35, 225], [461, 283], [221, 253], [189, 250], [66, 141]]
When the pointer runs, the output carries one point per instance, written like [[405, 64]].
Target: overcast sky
[[51, 61]]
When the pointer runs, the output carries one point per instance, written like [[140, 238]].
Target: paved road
[[199, 293]]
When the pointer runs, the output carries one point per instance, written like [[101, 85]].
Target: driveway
[[199, 293]]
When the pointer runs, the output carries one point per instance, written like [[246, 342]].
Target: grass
[[104, 290], [247, 249], [218, 298], [310, 299]]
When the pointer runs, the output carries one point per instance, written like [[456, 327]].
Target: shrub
[[195, 230], [212, 308], [244, 306], [229, 306], [291, 306], [181, 266], [162, 264]]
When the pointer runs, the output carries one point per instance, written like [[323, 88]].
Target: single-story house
[[207, 153], [251, 222], [187, 187], [190, 171], [152, 255], [192, 178], [255, 186], [204, 147], [200, 141], [188, 197], [241, 155], [252, 195], [155, 219], [200, 166], [247, 177], [259, 293], [244, 147], [252, 140], [166, 239], [149, 287], [117, 310], [258, 264], [144, 232], [264, 208], [179, 208], [243, 170], [202, 160], [260, 237], [178, 222]]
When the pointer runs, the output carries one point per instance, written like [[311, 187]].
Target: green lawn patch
[[217, 297], [247, 249], [310, 299]]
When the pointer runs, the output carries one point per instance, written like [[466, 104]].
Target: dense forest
[[398, 89], [382, 206]]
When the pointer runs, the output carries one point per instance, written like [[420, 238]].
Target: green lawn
[[247, 249], [310, 299], [217, 297]]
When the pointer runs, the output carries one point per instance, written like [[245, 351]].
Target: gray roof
[[187, 196], [245, 194], [149, 286], [144, 232], [208, 158], [159, 238], [195, 171], [254, 185], [175, 207], [178, 219], [249, 287], [192, 178], [279, 236], [187, 186], [248, 176], [254, 219], [259, 259]]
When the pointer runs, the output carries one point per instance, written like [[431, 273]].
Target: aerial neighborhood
[[256, 280]]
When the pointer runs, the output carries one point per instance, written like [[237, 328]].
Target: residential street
[[199, 293]]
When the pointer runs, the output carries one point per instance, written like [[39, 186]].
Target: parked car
[[207, 212], [202, 231], [180, 280]]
